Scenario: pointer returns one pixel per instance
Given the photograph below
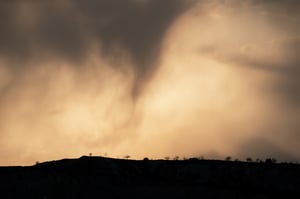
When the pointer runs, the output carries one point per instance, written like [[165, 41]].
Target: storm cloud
[[149, 78], [69, 29]]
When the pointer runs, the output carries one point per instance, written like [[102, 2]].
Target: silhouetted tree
[[270, 160], [228, 158], [193, 159], [127, 156], [248, 159], [167, 158]]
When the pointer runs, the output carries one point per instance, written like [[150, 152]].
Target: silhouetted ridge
[[88, 177]]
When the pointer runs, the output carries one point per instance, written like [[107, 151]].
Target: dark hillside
[[98, 177]]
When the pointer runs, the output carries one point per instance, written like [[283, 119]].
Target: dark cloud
[[68, 29]]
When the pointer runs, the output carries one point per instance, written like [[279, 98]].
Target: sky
[[149, 78]]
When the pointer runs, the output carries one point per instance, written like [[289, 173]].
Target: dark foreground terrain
[[98, 177]]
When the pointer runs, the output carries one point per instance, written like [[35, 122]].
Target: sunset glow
[[188, 78]]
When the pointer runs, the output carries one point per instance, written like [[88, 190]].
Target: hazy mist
[[149, 78]]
